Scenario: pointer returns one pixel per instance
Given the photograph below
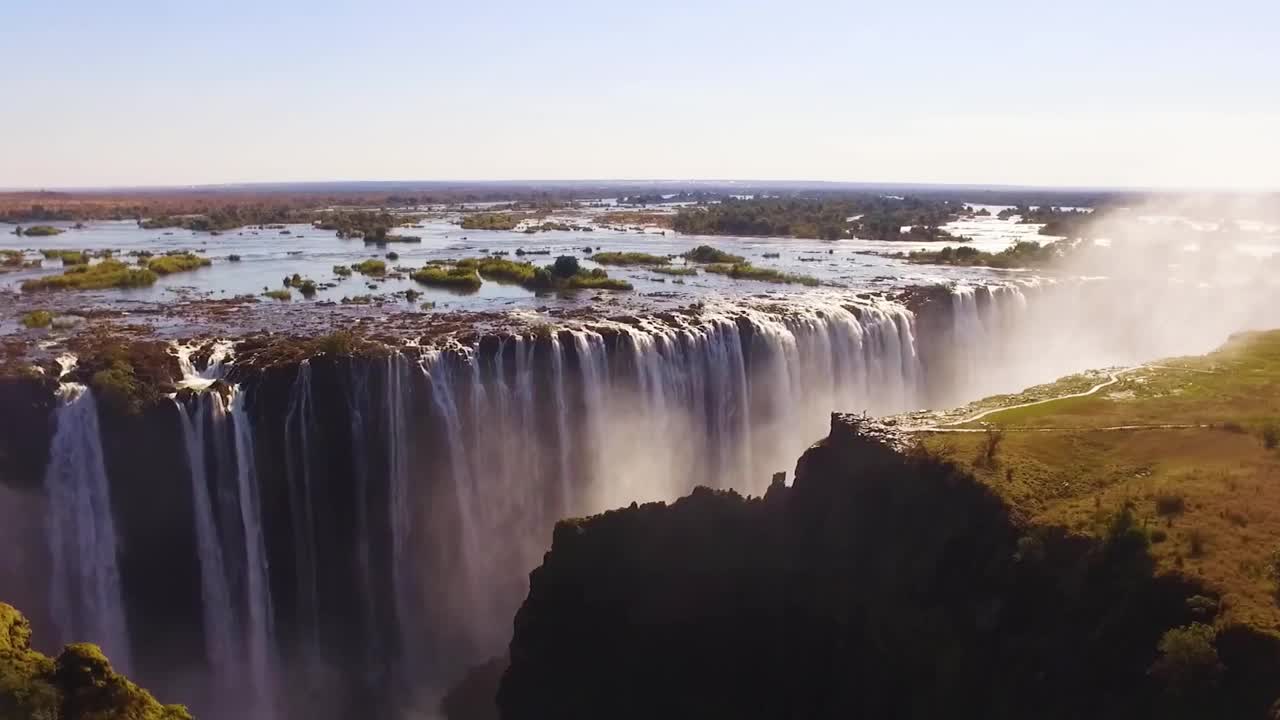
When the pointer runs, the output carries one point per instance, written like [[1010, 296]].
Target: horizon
[[994, 93]]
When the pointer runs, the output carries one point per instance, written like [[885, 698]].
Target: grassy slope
[[1077, 474]]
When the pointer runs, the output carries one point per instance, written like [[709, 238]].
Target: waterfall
[[299, 421], [85, 597], [220, 627], [259, 625]]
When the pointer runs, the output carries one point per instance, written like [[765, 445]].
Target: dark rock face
[[881, 584]]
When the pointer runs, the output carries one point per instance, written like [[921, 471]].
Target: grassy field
[[1200, 468]]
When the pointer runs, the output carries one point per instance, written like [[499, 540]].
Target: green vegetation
[[37, 319], [747, 271], [708, 254], [106, 274], [305, 286], [564, 274], [342, 271], [682, 270], [42, 231], [283, 294], [169, 264], [874, 217], [1068, 223], [10, 258], [68, 257], [79, 683], [1024, 254], [630, 258], [221, 219], [1188, 662], [463, 278], [492, 221], [371, 267], [1190, 464]]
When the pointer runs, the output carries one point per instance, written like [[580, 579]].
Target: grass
[[683, 270], [1209, 489], [106, 274], [492, 221], [170, 264], [10, 258], [747, 271], [536, 278], [68, 257], [342, 271], [371, 267], [283, 294], [630, 258], [463, 278]]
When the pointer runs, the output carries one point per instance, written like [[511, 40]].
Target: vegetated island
[[38, 231], [564, 274], [871, 217], [714, 260], [1109, 556], [78, 683], [113, 273], [1022, 254]]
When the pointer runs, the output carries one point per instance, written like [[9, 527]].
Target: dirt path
[[1112, 379]]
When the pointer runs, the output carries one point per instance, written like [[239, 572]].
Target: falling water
[[86, 598]]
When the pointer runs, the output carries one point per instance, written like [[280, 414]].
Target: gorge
[[343, 526]]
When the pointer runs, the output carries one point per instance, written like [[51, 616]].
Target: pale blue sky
[[1119, 92]]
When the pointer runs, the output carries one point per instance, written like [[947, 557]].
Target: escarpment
[[882, 583]]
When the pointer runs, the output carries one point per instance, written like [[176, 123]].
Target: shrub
[[42, 231], [990, 447], [566, 266], [370, 267], [1030, 549], [1196, 541], [1170, 504], [708, 254], [1188, 662], [1158, 535], [681, 271], [629, 258], [747, 271], [340, 342], [1270, 434], [169, 264], [117, 385], [281, 294], [37, 319], [233, 258], [1202, 607], [342, 271], [106, 274], [393, 256], [455, 277]]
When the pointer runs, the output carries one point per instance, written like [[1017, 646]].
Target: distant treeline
[[870, 217]]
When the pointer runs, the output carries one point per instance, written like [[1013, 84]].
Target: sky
[[1121, 93]]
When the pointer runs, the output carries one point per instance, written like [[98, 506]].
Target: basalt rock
[[883, 583]]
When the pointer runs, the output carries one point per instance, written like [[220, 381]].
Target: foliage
[[233, 258], [629, 258], [106, 274], [1188, 662], [492, 221], [341, 342], [708, 254], [682, 270], [342, 271], [464, 278], [79, 684], [10, 258], [747, 271], [370, 267], [1023, 254], [990, 447], [280, 294], [1170, 503], [565, 266], [876, 217], [68, 257], [42, 231], [37, 319], [169, 264], [117, 385]]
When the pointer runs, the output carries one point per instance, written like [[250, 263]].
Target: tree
[[565, 266], [1188, 662]]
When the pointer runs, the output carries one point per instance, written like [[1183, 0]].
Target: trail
[[1112, 379], [1110, 428]]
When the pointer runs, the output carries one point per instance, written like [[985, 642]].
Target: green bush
[[455, 277], [169, 264], [281, 294], [708, 254], [630, 258], [1170, 504], [682, 271], [370, 267], [37, 319], [42, 231], [1188, 662], [342, 271]]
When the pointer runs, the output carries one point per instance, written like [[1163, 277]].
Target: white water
[[85, 596]]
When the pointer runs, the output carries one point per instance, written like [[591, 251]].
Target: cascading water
[[86, 599], [405, 507]]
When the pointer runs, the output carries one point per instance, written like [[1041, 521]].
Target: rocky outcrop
[[881, 584], [77, 685]]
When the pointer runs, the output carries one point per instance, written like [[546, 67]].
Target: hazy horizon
[[991, 93]]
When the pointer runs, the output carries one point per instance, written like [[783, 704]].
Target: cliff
[[77, 685], [884, 584]]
